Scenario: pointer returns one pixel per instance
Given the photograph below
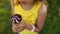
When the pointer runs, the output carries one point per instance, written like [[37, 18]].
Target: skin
[[27, 5]]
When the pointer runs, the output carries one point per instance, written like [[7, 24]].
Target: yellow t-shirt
[[30, 16]]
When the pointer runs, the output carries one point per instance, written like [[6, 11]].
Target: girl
[[33, 14]]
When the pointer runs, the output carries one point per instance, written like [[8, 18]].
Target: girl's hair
[[44, 1]]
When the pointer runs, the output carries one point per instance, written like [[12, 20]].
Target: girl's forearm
[[12, 6], [30, 27]]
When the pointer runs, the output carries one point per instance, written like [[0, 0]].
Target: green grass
[[51, 26]]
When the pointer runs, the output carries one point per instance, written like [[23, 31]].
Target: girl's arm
[[12, 6], [41, 19]]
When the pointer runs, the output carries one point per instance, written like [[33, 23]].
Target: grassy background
[[52, 24]]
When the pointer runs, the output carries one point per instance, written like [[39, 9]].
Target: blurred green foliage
[[52, 23]]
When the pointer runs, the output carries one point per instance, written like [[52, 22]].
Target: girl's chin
[[23, 2]]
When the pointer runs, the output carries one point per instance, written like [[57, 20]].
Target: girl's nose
[[22, 0]]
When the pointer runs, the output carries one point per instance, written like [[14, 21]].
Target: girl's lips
[[23, 2]]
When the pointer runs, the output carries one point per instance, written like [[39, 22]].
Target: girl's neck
[[27, 6]]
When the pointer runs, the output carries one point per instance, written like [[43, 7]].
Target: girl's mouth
[[23, 2]]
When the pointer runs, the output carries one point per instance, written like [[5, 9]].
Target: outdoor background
[[52, 23]]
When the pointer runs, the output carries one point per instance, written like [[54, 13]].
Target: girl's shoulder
[[43, 8], [15, 2]]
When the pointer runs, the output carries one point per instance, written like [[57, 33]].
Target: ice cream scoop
[[16, 18]]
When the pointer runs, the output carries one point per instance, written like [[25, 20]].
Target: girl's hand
[[29, 27], [18, 27], [21, 26]]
